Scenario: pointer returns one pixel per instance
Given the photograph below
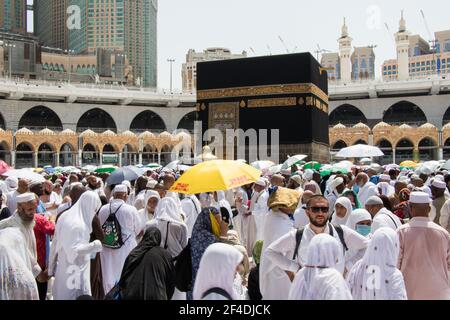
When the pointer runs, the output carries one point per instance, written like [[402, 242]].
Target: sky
[[303, 25], [243, 24]]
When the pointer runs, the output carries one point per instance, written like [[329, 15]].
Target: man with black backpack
[[121, 225], [289, 253]]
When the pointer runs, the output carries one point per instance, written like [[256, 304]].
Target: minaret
[[402, 42], [345, 51]]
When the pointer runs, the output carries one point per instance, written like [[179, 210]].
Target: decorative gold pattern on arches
[[348, 135], [7, 138], [299, 88], [55, 141], [273, 102], [392, 134], [309, 101], [301, 101], [242, 104]]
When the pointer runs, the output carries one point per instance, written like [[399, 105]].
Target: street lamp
[[10, 46], [69, 52], [171, 61]]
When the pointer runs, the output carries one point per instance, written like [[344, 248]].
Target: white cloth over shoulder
[[367, 191], [70, 252], [217, 270], [379, 265], [274, 282], [16, 278], [192, 208], [319, 280]]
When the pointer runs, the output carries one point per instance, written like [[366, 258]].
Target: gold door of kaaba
[[225, 116]]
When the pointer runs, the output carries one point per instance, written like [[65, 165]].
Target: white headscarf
[[319, 279], [378, 264], [168, 210], [386, 189], [217, 270], [345, 202], [308, 175], [16, 278], [357, 216], [148, 195], [222, 202], [75, 225], [4, 189], [12, 183]]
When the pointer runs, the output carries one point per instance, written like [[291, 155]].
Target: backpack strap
[[340, 233], [298, 240], [167, 235], [219, 291]]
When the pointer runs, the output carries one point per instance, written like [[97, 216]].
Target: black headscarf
[[148, 273]]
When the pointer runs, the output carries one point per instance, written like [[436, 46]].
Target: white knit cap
[[26, 197], [120, 188], [419, 198]]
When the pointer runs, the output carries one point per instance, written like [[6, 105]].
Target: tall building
[[332, 62], [349, 64], [189, 69], [13, 16], [363, 63], [50, 17], [402, 42], [345, 50], [415, 58], [127, 26]]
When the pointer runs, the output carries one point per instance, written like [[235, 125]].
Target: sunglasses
[[319, 209]]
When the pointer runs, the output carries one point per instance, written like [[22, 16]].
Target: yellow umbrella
[[410, 164], [215, 175]]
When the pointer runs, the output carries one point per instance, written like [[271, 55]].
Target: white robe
[[70, 253], [281, 252], [367, 191], [274, 283], [319, 279], [381, 256], [113, 259], [11, 200], [245, 225], [259, 210], [30, 240], [385, 218], [192, 208], [16, 278]]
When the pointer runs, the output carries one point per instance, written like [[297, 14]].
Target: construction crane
[[251, 49], [284, 44], [320, 50], [391, 35], [433, 41], [426, 24], [270, 50]]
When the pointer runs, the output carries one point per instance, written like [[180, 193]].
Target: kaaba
[[285, 92]]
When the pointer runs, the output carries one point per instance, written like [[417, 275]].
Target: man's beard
[[93, 187], [319, 225], [47, 192]]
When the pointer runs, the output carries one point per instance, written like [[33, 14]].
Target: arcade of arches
[[398, 143], [67, 148]]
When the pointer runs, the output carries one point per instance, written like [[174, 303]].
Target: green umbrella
[[312, 165], [324, 173], [106, 169]]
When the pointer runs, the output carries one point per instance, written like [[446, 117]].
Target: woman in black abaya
[[148, 273]]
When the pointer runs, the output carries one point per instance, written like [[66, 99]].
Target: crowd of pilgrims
[[370, 234]]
